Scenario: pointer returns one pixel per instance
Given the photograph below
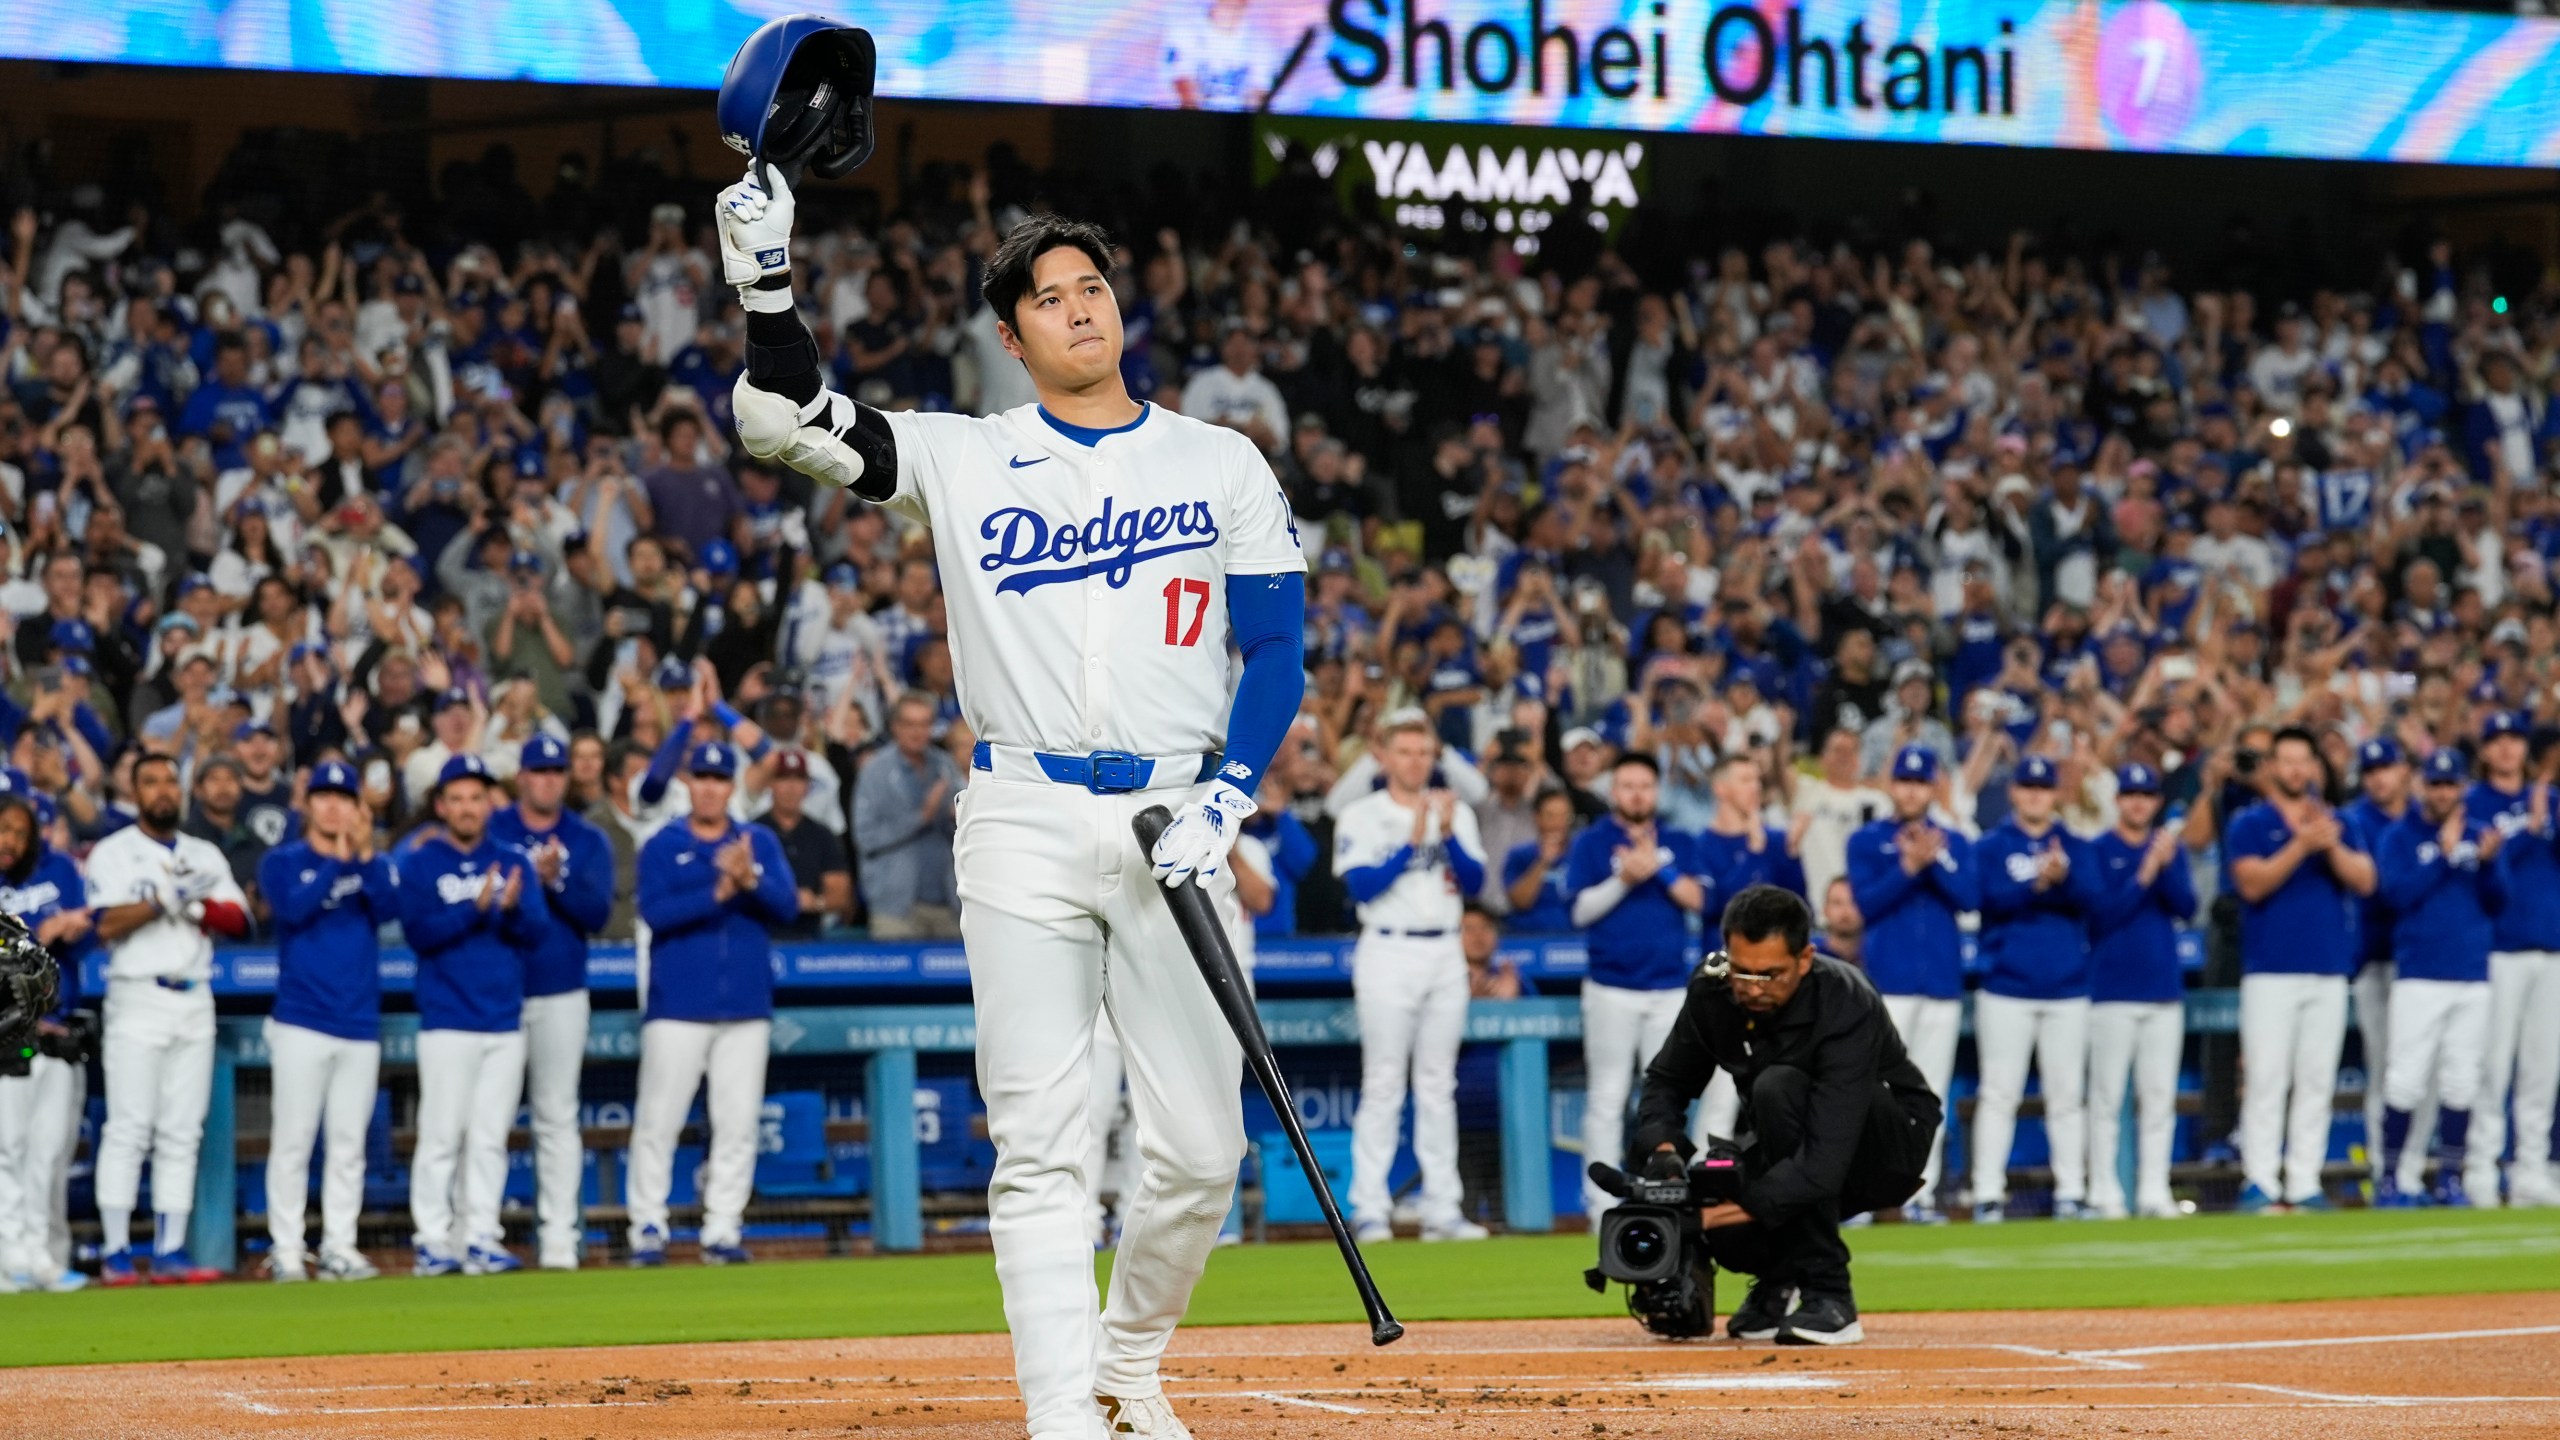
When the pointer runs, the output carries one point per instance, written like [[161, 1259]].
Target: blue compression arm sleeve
[[1269, 616], [662, 766]]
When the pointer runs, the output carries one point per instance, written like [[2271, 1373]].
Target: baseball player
[[1912, 877], [1097, 557], [570, 865], [462, 906], [1736, 848], [2296, 871], [160, 897], [1410, 856], [40, 1110], [2038, 885], [2137, 1014], [2524, 976], [710, 888], [2445, 875], [330, 892], [2383, 773], [1633, 884]]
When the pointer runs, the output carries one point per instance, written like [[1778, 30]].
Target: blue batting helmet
[[798, 95]]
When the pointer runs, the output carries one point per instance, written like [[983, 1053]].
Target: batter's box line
[[2385, 1401], [2307, 1343]]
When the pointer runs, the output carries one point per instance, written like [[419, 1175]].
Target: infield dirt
[[2467, 1366]]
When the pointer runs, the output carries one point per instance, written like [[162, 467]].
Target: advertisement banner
[[2143, 75]]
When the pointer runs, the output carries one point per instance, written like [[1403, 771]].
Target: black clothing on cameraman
[[1837, 1119]]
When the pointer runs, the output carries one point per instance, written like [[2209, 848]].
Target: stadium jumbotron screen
[[2195, 78]]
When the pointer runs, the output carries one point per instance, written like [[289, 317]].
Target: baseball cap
[[46, 810], [181, 620], [712, 758], [843, 575], [1910, 670], [524, 562], [191, 583], [247, 728], [543, 752], [225, 695], [76, 663], [2137, 778], [2376, 753], [674, 674], [790, 765], [719, 557], [336, 776], [1917, 762], [304, 650], [463, 767], [74, 635], [448, 699], [2035, 773], [2501, 722], [2447, 766], [1579, 735]]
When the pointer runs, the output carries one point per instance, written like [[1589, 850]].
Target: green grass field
[[2213, 1260]]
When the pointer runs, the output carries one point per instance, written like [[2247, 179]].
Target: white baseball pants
[[1929, 1030], [2007, 1032], [468, 1085], [321, 1082], [2372, 990], [1062, 918], [157, 1054], [555, 1041], [39, 1129], [1622, 1030], [1411, 995], [676, 1056], [2439, 1041], [2524, 1062], [2140, 1042], [2291, 1030]]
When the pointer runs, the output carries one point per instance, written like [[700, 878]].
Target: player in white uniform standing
[[1095, 555], [160, 898], [1410, 856]]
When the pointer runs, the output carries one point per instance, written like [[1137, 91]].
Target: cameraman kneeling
[[1836, 1119]]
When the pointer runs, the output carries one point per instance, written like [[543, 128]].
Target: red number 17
[[1174, 590]]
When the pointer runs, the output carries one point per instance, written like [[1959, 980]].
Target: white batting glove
[[755, 228], [1195, 844]]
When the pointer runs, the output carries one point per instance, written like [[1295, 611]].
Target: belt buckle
[[1114, 772]]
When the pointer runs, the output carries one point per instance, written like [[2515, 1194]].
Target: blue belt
[[172, 982], [1104, 772], [1411, 934]]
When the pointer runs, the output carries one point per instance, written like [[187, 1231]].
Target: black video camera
[[1651, 1242], [76, 1042]]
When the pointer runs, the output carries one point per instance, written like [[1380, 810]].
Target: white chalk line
[[2316, 1342]]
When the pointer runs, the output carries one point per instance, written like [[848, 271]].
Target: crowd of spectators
[[273, 493]]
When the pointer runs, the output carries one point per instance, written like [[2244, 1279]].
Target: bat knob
[[1386, 1332]]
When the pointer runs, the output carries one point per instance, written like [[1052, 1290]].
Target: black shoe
[[1762, 1312], [1822, 1320]]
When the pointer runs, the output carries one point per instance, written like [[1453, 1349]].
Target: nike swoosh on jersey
[[1018, 463]]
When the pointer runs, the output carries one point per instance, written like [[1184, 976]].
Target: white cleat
[[286, 1269], [1372, 1231], [346, 1265], [1456, 1229], [1146, 1415]]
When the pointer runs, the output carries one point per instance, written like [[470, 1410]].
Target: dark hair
[[1637, 757], [2295, 732], [1764, 910], [1009, 269], [155, 758], [1478, 907]]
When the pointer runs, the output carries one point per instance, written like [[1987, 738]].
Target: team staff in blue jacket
[[2382, 772], [40, 1110], [2137, 1014], [2524, 975], [568, 898], [2446, 877], [1739, 851], [330, 892], [710, 887], [462, 908], [1912, 877], [2298, 873], [2038, 886], [1634, 883], [1533, 873]]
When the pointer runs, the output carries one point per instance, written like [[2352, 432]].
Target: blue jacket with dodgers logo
[[563, 918], [53, 885], [470, 960], [1912, 945], [2446, 903], [2035, 943], [711, 960], [2531, 920], [328, 958]]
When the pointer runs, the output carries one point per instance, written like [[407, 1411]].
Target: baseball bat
[[1207, 941]]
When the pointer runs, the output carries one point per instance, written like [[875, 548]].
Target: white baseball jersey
[[1425, 896], [129, 866], [1086, 584]]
